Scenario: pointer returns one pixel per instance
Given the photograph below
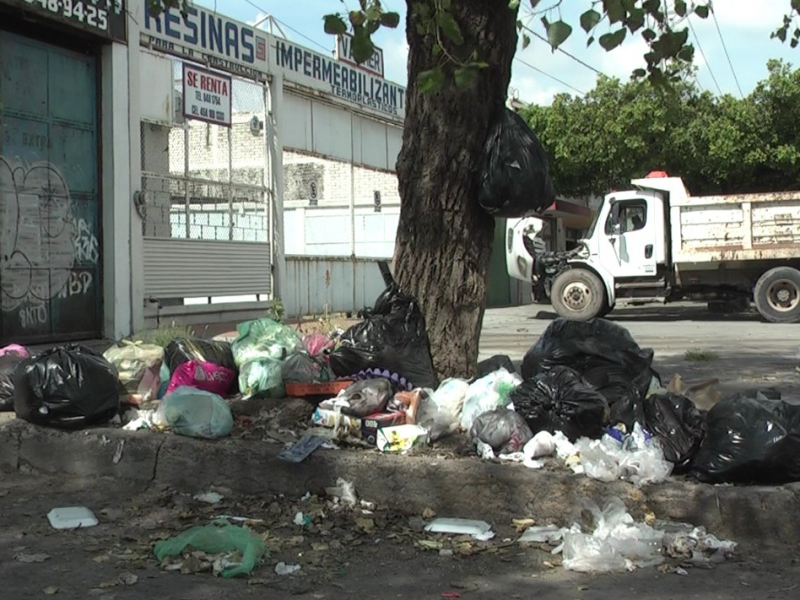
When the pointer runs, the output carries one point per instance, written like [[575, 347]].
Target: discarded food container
[[478, 529], [332, 418], [331, 388], [372, 423], [401, 438], [71, 517]]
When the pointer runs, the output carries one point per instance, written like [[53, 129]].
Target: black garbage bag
[[178, 352], [503, 429], [605, 355], [68, 387], [8, 364], [561, 400], [301, 367], [391, 343], [490, 365], [367, 397], [678, 425], [516, 175], [750, 440]]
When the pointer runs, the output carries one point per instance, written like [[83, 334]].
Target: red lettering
[[192, 82]]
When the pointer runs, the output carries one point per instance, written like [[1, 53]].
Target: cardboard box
[[372, 423], [401, 438]]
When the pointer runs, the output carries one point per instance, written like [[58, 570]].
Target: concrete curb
[[466, 487]]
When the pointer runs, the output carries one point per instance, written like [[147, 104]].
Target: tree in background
[[459, 67]]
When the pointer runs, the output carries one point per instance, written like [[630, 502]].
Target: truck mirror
[[616, 211]]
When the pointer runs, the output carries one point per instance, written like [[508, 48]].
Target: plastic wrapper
[[138, 365], [315, 343], [561, 400], [301, 367], [516, 179], [750, 440], [678, 425], [196, 413], [261, 377], [203, 376], [449, 397], [502, 429], [487, 393], [15, 349], [68, 387], [264, 338], [180, 351], [8, 364], [217, 538], [392, 342], [605, 355], [366, 397]]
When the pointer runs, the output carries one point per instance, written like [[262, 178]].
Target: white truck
[[657, 244]]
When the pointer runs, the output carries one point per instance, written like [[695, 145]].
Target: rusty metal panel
[[50, 264]]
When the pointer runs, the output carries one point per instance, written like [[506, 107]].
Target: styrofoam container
[[72, 517]]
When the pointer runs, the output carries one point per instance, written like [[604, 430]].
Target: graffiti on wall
[[42, 243]]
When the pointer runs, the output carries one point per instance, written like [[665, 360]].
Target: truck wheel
[[578, 294], [777, 295]]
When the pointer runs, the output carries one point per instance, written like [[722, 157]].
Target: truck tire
[[777, 295], [579, 295]]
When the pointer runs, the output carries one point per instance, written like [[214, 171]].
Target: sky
[[743, 30]]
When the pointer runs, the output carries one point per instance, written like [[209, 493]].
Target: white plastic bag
[[488, 393], [449, 398]]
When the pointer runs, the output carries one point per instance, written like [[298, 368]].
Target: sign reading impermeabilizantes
[[106, 18], [206, 96]]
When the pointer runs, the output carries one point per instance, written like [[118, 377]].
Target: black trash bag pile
[[559, 399], [678, 425], [392, 343], [495, 363], [516, 174], [301, 367], [605, 355], [367, 397], [750, 440], [8, 364], [502, 429], [178, 352], [68, 387]]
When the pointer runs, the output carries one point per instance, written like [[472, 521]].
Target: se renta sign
[[344, 53], [337, 78], [206, 96], [209, 37]]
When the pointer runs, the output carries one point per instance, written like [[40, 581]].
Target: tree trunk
[[444, 238]]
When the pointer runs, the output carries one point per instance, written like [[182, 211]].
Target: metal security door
[[49, 202]]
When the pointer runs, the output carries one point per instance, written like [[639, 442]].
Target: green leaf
[[557, 33], [535, 3], [639, 73], [465, 76], [796, 5], [635, 20], [421, 10], [363, 48], [701, 11], [615, 10], [609, 41], [651, 6], [390, 19], [590, 41], [374, 13], [686, 54], [334, 25], [680, 8], [526, 40], [513, 4], [589, 19], [437, 50], [793, 43], [649, 35], [781, 34], [449, 27], [431, 81], [357, 18]]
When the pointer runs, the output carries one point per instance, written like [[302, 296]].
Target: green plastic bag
[[264, 338], [197, 413], [218, 537], [261, 377]]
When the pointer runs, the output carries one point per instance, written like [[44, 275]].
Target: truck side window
[[632, 217]]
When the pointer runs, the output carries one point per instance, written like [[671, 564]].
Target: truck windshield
[[593, 226]]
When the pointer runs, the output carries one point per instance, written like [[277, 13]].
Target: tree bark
[[444, 239]]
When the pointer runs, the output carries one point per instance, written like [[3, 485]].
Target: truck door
[[631, 238]]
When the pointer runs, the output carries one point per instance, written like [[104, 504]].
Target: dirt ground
[[341, 553]]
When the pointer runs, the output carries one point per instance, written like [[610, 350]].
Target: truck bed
[[736, 227]]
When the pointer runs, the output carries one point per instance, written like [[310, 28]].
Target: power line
[[538, 70], [725, 47], [292, 29], [572, 56], [703, 54]]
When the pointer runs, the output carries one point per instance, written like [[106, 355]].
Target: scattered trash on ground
[[480, 530], [73, 517], [283, 569]]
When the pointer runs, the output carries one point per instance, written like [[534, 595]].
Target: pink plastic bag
[[315, 343], [15, 349], [204, 376]]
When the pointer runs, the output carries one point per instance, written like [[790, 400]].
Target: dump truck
[[656, 243]]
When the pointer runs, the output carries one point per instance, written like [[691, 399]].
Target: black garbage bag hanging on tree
[[392, 342], [516, 177]]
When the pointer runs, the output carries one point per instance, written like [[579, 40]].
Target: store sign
[[344, 53], [206, 96], [339, 79], [209, 37], [106, 18]]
